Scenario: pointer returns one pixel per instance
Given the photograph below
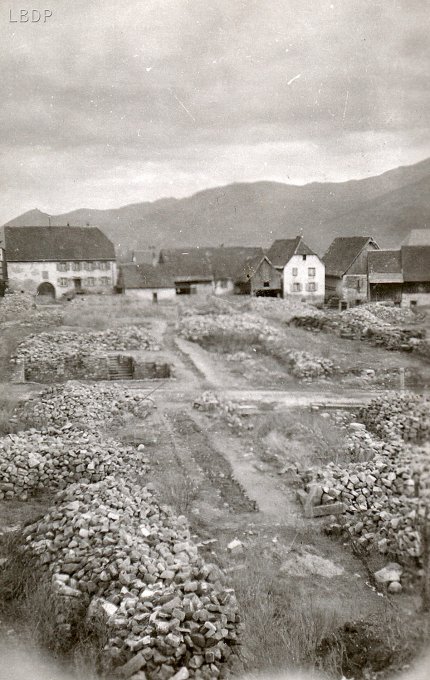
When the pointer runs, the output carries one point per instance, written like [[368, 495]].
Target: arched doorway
[[46, 290]]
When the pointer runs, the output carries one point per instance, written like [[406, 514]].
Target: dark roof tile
[[146, 276], [230, 262], [384, 262], [282, 250], [416, 263], [343, 251], [44, 244]]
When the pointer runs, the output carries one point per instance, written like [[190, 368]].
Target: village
[[61, 262], [206, 448]]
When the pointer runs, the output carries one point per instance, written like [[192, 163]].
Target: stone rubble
[[108, 547], [88, 405], [213, 403], [53, 347], [398, 415], [393, 328], [22, 307], [35, 461], [382, 492], [167, 612]]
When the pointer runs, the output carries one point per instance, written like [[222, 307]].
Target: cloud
[[172, 84]]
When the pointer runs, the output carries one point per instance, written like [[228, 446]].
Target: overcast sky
[[118, 101]]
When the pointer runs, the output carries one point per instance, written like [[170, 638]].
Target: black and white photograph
[[215, 340]]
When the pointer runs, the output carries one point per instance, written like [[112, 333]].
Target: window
[[95, 265], [76, 266], [105, 266], [90, 281], [105, 281], [303, 257], [311, 272], [45, 275], [62, 266], [86, 266], [312, 286], [297, 287], [295, 271], [63, 282], [266, 284]]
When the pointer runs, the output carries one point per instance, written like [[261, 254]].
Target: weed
[[282, 629], [179, 491]]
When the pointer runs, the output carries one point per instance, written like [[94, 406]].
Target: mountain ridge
[[255, 213]]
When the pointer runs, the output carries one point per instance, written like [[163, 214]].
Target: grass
[[102, 312], [282, 629], [300, 438], [46, 619]]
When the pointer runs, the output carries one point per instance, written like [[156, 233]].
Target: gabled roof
[[254, 265], [44, 244], [228, 262], [418, 237], [385, 266], [416, 263], [146, 276], [282, 250], [343, 251]]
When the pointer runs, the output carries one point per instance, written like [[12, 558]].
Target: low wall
[[80, 367], [86, 367], [151, 370]]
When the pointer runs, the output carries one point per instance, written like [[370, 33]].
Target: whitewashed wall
[[28, 276], [225, 287], [146, 293], [302, 266]]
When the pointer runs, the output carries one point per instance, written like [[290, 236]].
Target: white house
[[52, 261], [303, 273]]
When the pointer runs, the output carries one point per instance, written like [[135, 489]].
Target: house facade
[[346, 269], [146, 282], [302, 271], [265, 279], [207, 270], [57, 261], [400, 276], [385, 276]]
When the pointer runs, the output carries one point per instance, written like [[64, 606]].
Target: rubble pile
[[167, 613], [405, 416], [370, 322], [34, 461], [86, 405], [210, 330], [380, 498], [307, 366], [213, 403], [22, 307], [382, 492], [55, 346], [246, 327]]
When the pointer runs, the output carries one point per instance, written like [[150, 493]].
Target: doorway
[[46, 290]]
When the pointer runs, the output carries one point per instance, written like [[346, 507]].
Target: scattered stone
[[391, 572]]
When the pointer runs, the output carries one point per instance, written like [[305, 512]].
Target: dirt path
[[273, 502]]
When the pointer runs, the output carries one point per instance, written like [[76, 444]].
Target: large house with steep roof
[[302, 271], [346, 269], [57, 261]]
